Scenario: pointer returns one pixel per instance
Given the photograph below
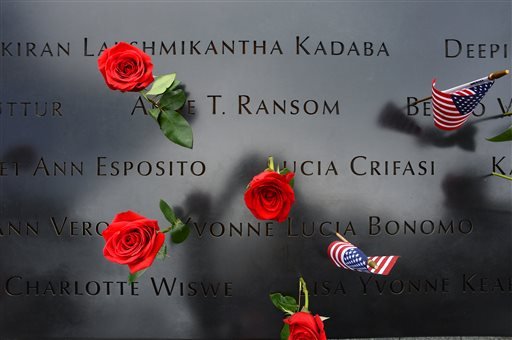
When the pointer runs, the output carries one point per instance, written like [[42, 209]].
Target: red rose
[[305, 326], [270, 196], [126, 68], [133, 240]]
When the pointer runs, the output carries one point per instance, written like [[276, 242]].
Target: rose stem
[[300, 291], [502, 176], [172, 226], [306, 294], [155, 104]]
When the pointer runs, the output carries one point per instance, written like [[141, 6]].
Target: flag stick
[[491, 76], [341, 237], [370, 262]]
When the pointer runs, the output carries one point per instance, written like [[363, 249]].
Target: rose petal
[[126, 67], [270, 196], [127, 216], [148, 260]]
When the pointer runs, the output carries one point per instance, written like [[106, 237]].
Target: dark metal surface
[[447, 282]]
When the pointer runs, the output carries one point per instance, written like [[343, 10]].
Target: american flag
[[452, 109], [348, 256]]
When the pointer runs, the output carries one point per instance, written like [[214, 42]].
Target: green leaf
[[168, 212], [154, 113], [505, 136], [287, 304], [270, 163], [285, 332], [179, 232], [176, 128], [161, 84], [174, 85], [172, 100], [133, 277], [162, 253]]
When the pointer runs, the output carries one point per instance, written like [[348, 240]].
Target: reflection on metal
[[216, 285]]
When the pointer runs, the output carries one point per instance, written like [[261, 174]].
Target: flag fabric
[[452, 109], [347, 256], [384, 264]]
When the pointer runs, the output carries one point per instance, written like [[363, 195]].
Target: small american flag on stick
[[452, 107], [347, 256]]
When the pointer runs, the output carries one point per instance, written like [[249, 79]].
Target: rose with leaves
[[134, 240], [270, 195], [300, 324], [128, 69]]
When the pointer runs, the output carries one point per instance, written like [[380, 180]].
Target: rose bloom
[[133, 240], [270, 196], [305, 326], [126, 68]]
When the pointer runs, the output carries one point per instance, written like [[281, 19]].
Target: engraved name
[[19, 286], [298, 45], [454, 48], [502, 165], [28, 108], [174, 287], [466, 283], [362, 166], [106, 167], [376, 226], [425, 108]]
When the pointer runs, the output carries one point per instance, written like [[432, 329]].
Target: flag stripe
[[441, 99], [390, 265], [332, 249], [450, 119], [439, 92], [447, 127], [444, 106], [441, 120], [384, 264], [336, 252], [382, 269], [379, 263], [448, 110], [465, 92]]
